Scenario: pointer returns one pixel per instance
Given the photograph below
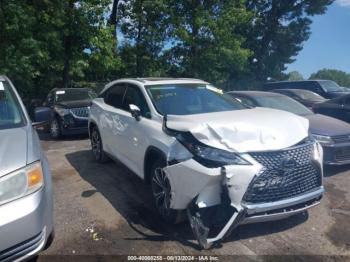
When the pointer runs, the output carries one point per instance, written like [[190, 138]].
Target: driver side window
[[114, 96], [134, 96]]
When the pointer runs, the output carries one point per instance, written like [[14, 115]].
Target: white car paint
[[240, 131]]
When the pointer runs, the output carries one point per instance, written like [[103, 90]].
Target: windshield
[[74, 95], [188, 99], [283, 103], [331, 86], [308, 95], [11, 114]]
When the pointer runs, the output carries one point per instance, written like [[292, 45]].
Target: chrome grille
[[82, 112], [341, 139], [276, 182]]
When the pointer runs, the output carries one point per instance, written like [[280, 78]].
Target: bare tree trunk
[[113, 17], [67, 42]]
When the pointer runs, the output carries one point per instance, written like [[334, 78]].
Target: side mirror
[[135, 111], [42, 115]]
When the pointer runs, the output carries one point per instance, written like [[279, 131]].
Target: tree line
[[69, 43], [340, 77]]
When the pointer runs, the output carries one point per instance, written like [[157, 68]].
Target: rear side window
[[114, 96], [11, 114]]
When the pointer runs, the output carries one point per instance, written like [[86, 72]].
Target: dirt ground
[[103, 209]]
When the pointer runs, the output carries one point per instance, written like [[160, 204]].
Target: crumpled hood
[[328, 126], [248, 130], [13, 149]]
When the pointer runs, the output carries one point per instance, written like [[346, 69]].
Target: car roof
[[155, 81], [298, 81], [67, 89], [255, 93], [293, 90], [162, 80]]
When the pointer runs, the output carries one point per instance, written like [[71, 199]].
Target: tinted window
[[245, 101], [308, 95], [187, 99], [134, 96], [282, 103], [330, 86], [67, 95], [11, 114], [114, 96]]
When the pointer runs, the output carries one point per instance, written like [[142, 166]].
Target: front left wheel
[[55, 128], [161, 192], [97, 146]]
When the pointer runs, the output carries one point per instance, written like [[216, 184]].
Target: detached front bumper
[[243, 194]]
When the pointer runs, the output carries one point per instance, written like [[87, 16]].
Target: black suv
[[326, 88], [69, 111]]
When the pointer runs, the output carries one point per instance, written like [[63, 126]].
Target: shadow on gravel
[[335, 170], [130, 197], [44, 136]]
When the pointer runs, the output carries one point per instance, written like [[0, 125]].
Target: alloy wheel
[[161, 190], [96, 144], [54, 128]]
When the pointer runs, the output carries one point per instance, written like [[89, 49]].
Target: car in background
[[325, 88], [207, 154], [331, 133], [26, 201], [305, 97], [70, 109], [338, 108]]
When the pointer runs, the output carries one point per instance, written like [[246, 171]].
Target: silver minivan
[[26, 201]]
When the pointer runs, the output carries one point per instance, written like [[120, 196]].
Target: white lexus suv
[[205, 153]]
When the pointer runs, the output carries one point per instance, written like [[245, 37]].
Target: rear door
[[111, 125]]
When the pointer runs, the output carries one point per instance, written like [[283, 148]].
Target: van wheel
[[161, 193], [55, 128], [97, 146]]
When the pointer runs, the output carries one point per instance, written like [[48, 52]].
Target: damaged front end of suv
[[227, 173]]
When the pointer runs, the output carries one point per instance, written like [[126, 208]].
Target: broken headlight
[[209, 156]]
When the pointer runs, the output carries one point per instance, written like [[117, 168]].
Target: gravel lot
[[105, 210]]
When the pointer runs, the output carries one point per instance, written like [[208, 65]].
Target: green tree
[[294, 76], [341, 77], [278, 32], [46, 44], [205, 42], [144, 26]]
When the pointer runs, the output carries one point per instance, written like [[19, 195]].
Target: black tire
[[97, 146], [50, 240], [55, 128], [161, 192]]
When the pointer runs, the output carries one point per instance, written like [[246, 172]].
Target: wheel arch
[[91, 125], [152, 154]]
